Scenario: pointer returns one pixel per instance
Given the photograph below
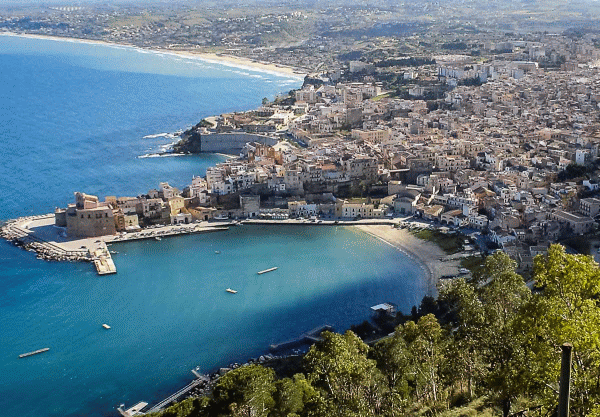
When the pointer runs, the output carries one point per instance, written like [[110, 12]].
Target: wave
[[160, 155], [160, 135]]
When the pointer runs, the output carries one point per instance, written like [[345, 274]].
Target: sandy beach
[[428, 254], [222, 59]]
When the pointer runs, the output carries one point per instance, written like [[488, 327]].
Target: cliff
[[190, 142]]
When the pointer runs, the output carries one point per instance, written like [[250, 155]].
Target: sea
[[94, 118]]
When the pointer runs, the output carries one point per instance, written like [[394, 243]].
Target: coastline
[[221, 59], [427, 254]]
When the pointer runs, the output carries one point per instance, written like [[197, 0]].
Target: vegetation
[[494, 349], [449, 243]]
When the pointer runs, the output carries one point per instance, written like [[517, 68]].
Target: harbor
[[39, 234]]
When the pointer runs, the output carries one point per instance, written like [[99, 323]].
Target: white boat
[[157, 238], [217, 252], [106, 326], [229, 290], [267, 270]]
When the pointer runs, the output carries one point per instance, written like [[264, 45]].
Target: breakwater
[[38, 234], [16, 232]]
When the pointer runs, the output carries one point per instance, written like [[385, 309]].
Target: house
[[589, 206], [454, 217], [405, 201]]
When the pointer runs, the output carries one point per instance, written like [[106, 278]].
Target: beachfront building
[[350, 210], [181, 218], [301, 208]]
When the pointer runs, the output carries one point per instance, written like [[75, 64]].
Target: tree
[[245, 391], [465, 362], [265, 101], [394, 361], [503, 297], [565, 310], [423, 341], [292, 396], [350, 382], [487, 310]]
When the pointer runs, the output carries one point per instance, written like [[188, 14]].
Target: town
[[513, 156]]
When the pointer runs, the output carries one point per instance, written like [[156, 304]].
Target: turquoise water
[[73, 117]]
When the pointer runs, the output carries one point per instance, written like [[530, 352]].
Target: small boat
[[106, 326], [217, 252], [157, 238], [267, 270], [35, 352], [229, 290]]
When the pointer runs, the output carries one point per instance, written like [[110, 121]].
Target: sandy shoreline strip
[[427, 254], [238, 62]]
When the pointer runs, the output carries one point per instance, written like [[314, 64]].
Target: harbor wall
[[232, 143]]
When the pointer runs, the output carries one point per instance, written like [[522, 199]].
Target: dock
[[304, 339], [175, 396], [35, 352], [267, 270], [103, 260], [136, 410]]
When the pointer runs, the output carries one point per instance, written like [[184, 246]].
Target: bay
[[76, 117]]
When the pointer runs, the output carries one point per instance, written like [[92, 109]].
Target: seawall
[[227, 143]]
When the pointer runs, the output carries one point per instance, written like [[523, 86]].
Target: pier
[[136, 410], [178, 394], [103, 261], [304, 339]]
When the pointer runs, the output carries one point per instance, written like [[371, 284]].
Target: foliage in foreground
[[498, 352]]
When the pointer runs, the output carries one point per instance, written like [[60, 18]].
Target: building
[[589, 206], [576, 223], [405, 201], [357, 210], [250, 205], [372, 136], [87, 217]]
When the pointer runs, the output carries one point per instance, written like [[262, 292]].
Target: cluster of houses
[[493, 157]]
